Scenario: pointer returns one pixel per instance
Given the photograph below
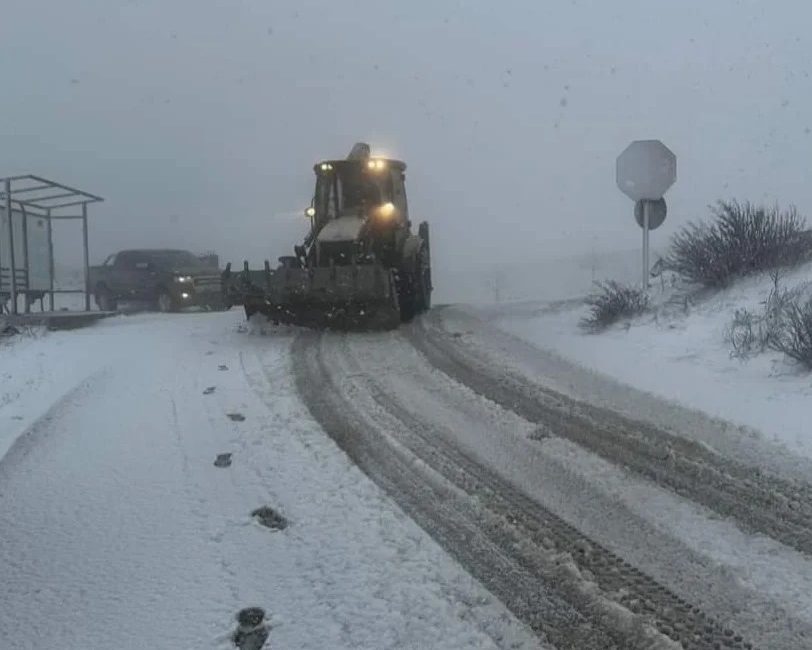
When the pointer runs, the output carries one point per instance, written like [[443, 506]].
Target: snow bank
[[681, 354]]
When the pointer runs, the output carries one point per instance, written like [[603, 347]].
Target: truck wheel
[[105, 300], [166, 303]]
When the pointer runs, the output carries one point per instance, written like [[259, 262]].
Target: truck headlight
[[184, 279]]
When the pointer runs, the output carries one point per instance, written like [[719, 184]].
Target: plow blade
[[361, 297]]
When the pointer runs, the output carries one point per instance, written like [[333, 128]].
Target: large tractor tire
[[408, 307], [423, 281], [415, 287], [424, 264]]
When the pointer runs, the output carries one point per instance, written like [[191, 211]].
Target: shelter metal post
[[26, 265], [87, 256], [50, 260], [11, 266]]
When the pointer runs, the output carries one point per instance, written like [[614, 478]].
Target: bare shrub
[[741, 239], [795, 336], [612, 302], [784, 325]]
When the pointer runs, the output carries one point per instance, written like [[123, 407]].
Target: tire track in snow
[[265, 385], [757, 502], [259, 380], [752, 583], [516, 547]]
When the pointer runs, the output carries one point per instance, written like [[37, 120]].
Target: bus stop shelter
[[28, 207]]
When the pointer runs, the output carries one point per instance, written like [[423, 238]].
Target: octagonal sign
[[645, 170]]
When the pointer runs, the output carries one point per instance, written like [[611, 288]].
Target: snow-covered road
[[515, 500], [520, 479], [117, 530]]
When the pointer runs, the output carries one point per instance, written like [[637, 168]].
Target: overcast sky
[[199, 120]]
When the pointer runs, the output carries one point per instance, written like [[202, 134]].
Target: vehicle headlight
[[386, 211], [184, 279]]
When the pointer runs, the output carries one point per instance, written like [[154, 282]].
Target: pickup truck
[[168, 279]]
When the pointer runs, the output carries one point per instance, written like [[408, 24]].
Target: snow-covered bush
[[612, 302], [784, 325], [751, 333], [741, 239], [795, 336]]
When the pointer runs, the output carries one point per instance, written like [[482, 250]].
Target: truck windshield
[[175, 258]]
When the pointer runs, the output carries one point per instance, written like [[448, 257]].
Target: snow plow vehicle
[[360, 267]]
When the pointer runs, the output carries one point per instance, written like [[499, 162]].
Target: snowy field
[[681, 355], [119, 532]]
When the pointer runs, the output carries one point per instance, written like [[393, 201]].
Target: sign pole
[[646, 205], [644, 171]]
